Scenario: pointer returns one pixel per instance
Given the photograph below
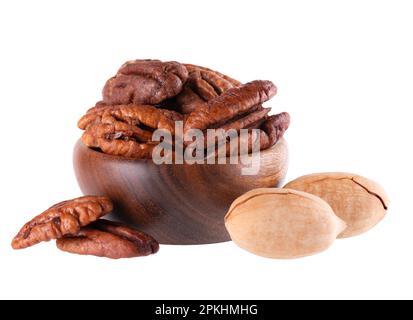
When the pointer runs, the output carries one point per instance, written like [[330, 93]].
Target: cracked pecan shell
[[145, 82], [109, 239], [64, 218]]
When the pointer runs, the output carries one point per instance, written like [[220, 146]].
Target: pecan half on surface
[[109, 239], [203, 85], [64, 218], [145, 82]]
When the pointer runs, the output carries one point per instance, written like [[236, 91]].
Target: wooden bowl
[[175, 203]]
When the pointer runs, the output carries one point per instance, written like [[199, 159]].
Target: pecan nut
[[203, 85], [203, 99], [274, 127], [236, 109], [109, 239], [227, 109], [64, 218], [126, 130], [119, 139], [145, 82], [146, 115], [271, 130]]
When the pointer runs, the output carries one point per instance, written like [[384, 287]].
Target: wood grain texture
[[177, 203]]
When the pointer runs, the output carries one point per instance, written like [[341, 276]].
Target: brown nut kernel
[[203, 85], [145, 82], [118, 139], [360, 202], [109, 239], [126, 130], [64, 218], [236, 109], [282, 223], [135, 115], [231, 105]]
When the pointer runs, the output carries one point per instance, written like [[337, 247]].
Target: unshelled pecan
[[64, 218], [109, 239]]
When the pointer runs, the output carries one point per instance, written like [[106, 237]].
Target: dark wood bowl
[[175, 203]]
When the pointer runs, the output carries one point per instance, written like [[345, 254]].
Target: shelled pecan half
[[126, 130], [145, 82], [203, 84], [119, 139], [109, 239], [236, 108], [146, 115], [64, 218]]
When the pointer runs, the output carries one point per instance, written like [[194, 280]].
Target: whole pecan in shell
[[145, 82], [109, 239], [64, 218]]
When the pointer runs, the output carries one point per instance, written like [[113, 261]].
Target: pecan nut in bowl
[[109, 239], [118, 139], [64, 218], [270, 132], [236, 109], [274, 128], [126, 130], [203, 84], [136, 115], [231, 105], [145, 82]]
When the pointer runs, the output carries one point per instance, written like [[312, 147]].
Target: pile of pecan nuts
[[147, 95]]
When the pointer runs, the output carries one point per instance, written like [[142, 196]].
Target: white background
[[344, 70]]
